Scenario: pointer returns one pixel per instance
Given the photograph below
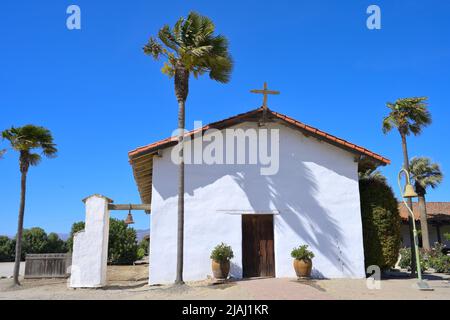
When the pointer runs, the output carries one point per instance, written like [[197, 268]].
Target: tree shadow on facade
[[293, 191], [299, 211]]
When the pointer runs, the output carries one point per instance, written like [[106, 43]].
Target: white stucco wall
[[90, 246], [315, 192]]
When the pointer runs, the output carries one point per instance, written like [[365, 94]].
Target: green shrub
[[140, 253], [447, 236], [55, 244], [440, 264], [34, 240], [76, 227], [433, 258], [222, 253], [302, 253], [405, 260], [437, 260], [145, 244], [122, 245], [381, 223], [7, 248]]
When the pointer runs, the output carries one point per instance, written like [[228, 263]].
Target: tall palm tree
[[372, 174], [425, 174], [26, 140], [190, 47], [408, 115]]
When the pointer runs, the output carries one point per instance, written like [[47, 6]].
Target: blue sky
[[101, 96]]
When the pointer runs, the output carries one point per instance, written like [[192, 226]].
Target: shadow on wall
[[293, 191], [235, 270]]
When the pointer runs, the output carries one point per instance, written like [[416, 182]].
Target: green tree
[[76, 227], [6, 249], [425, 174], [34, 240], [26, 140], [190, 47], [381, 222], [408, 115], [122, 244], [55, 244], [145, 244]]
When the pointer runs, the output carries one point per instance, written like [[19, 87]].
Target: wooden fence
[[49, 265]]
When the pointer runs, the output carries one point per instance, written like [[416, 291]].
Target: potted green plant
[[302, 261], [220, 261]]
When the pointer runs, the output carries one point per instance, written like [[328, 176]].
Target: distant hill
[[63, 236], [140, 234]]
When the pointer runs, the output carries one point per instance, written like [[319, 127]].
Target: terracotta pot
[[220, 269], [303, 268]]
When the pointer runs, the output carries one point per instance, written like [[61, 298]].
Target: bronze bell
[[129, 219], [409, 192]]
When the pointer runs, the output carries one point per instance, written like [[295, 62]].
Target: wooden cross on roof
[[265, 92]]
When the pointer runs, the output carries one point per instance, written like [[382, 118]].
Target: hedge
[[381, 223]]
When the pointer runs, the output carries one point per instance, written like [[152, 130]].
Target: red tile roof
[[434, 210], [272, 115]]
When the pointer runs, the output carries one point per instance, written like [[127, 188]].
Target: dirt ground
[[131, 282]]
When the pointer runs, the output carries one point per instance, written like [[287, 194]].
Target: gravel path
[[131, 283]]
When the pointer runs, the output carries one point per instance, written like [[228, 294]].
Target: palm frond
[[220, 68], [192, 44], [425, 172], [153, 48], [372, 174], [30, 137], [168, 38], [408, 115], [34, 159], [388, 123]]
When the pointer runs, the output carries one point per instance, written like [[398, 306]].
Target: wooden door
[[258, 257]]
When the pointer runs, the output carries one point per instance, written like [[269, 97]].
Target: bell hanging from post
[[409, 192], [129, 219]]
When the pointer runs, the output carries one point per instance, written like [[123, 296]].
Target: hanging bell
[[409, 192], [129, 219]]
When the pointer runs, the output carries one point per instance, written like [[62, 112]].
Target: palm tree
[[408, 115], [190, 47], [25, 140], [425, 174], [372, 174]]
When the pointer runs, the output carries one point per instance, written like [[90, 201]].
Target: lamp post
[[409, 192]]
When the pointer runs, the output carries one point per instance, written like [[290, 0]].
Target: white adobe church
[[312, 198]]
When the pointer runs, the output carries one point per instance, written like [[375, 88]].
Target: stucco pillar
[[90, 246]]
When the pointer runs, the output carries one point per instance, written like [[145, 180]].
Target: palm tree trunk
[[424, 222], [23, 187], [181, 92], [180, 232], [410, 204]]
